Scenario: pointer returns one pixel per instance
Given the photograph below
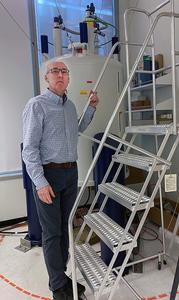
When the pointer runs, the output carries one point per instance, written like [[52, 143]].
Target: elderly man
[[50, 133]]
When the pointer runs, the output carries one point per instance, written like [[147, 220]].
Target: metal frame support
[[34, 47]]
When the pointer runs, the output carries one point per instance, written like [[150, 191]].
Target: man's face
[[57, 77]]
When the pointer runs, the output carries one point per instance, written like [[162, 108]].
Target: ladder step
[[151, 129], [108, 230], [92, 267], [123, 195], [138, 161]]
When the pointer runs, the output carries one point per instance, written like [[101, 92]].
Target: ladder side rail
[[161, 202], [162, 217], [144, 216], [127, 55], [159, 152], [173, 60], [70, 221]]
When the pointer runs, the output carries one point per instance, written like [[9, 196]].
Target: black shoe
[[64, 293], [81, 288]]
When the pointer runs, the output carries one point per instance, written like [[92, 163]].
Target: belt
[[66, 165]]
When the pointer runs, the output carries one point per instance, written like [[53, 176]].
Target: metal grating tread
[[138, 161], [92, 267], [124, 195], [151, 129], [108, 230]]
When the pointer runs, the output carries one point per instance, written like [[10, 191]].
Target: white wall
[[15, 89], [137, 29]]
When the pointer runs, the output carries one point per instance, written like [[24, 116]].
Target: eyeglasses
[[56, 71]]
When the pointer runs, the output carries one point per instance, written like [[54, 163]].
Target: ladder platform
[[138, 161], [124, 195], [108, 230], [92, 267], [151, 129]]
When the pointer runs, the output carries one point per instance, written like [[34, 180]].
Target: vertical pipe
[[91, 37], [153, 78], [156, 138], [34, 47], [57, 38], [127, 69], [173, 60]]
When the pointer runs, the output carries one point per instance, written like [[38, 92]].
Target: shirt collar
[[52, 96]]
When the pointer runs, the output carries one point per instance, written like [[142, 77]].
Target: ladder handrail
[[123, 93]]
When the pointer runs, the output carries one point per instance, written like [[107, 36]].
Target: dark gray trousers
[[54, 221]]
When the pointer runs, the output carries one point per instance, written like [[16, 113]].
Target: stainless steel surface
[[92, 267], [138, 161], [123, 195], [108, 230]]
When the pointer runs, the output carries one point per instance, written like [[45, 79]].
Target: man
[[50, 133]]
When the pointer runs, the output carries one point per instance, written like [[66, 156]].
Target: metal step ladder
[[101, 278]]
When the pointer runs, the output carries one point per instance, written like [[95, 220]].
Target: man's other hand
[[46, 194]]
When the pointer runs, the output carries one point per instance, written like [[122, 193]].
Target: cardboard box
[[160, 61], [140, 104], [155, 217]]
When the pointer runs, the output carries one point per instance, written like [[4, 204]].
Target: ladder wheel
[[159, 265], [164, 262]]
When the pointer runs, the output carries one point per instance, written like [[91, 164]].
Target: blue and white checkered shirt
[[50, 133]]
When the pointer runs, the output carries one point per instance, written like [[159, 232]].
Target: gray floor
[[23, 275]]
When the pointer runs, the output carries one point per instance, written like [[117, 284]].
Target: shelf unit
[[163, 107]]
